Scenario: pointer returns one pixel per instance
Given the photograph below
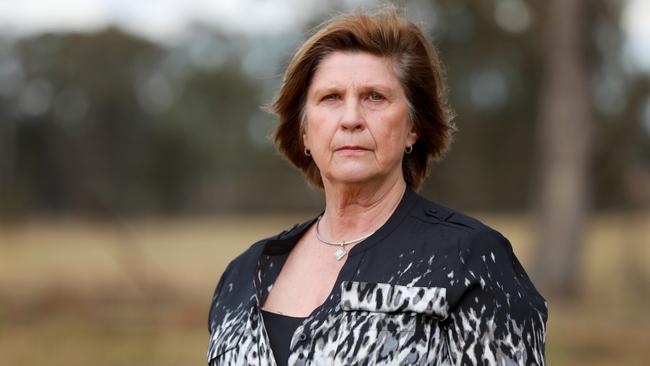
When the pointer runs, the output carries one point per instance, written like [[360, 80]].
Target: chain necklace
[[341, 252]]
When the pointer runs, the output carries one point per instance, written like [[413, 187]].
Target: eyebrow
[[365, 88]]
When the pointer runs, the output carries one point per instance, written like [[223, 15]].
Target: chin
[[352, 176]]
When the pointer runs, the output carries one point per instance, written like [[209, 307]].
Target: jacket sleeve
[[496, 316], [215, 298]]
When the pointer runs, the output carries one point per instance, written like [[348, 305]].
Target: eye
[[375, 96], [331, 97]]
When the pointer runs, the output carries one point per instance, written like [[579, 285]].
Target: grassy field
[[77, 292]]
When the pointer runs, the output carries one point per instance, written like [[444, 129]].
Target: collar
[[286, 240]]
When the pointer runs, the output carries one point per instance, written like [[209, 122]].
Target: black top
[[432, 286], [280, 329]]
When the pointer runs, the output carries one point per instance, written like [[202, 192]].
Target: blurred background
[[135, 163]]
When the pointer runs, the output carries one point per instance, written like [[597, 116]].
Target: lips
[[352, 148]]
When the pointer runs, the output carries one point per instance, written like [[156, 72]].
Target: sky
[[636, 23], [163, 20], [166, 20]]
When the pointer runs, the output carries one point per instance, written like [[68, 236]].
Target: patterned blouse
[[431, 287]]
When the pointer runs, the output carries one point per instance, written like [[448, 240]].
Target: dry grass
[[76, 292]]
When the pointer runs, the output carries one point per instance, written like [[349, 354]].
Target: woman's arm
[[215, 298], [497, 317]]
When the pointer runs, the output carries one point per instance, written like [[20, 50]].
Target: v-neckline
[[291, 238], [284, 243]]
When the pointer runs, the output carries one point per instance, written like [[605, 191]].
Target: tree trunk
[[565, 138], [7, 166]]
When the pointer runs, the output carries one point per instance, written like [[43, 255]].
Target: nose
[[352, 119]]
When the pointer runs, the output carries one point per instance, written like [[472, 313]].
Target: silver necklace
[[341, 252]]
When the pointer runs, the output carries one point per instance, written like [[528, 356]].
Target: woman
[[382, 276]]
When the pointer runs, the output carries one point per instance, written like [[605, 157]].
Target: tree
[[566, 132]]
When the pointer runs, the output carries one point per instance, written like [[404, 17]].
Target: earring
[[409, 149], [307, 152]]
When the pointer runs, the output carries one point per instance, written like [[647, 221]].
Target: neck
[[353, 211]]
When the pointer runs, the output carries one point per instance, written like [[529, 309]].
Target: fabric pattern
[[386, 298], [431, 287]]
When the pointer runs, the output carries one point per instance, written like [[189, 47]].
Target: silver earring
[[307, 152], [409, 149]]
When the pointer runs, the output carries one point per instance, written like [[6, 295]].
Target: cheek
[[391, 134], [317, 132]]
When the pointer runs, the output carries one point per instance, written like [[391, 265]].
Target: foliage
[[107, 123]]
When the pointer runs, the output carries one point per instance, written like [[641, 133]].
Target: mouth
[[351, 148]]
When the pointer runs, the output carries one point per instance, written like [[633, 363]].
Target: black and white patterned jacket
[[431, 287]]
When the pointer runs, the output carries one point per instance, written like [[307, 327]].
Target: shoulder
[[483, 258], [440, 216], [236, 283], [477, 247], [248, 259], [245, 261], [453, 236], [472, 238]]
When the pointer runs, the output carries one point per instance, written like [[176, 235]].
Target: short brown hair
[[384, 34]]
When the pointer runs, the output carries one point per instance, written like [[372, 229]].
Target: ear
[[303, 128], [305, 140], [411, 138]]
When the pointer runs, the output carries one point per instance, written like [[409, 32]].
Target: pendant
[[340, 253]]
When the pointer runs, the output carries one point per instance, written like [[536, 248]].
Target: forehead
[[340, 69]]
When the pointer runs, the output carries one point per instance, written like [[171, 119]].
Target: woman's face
[[357, 124]]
